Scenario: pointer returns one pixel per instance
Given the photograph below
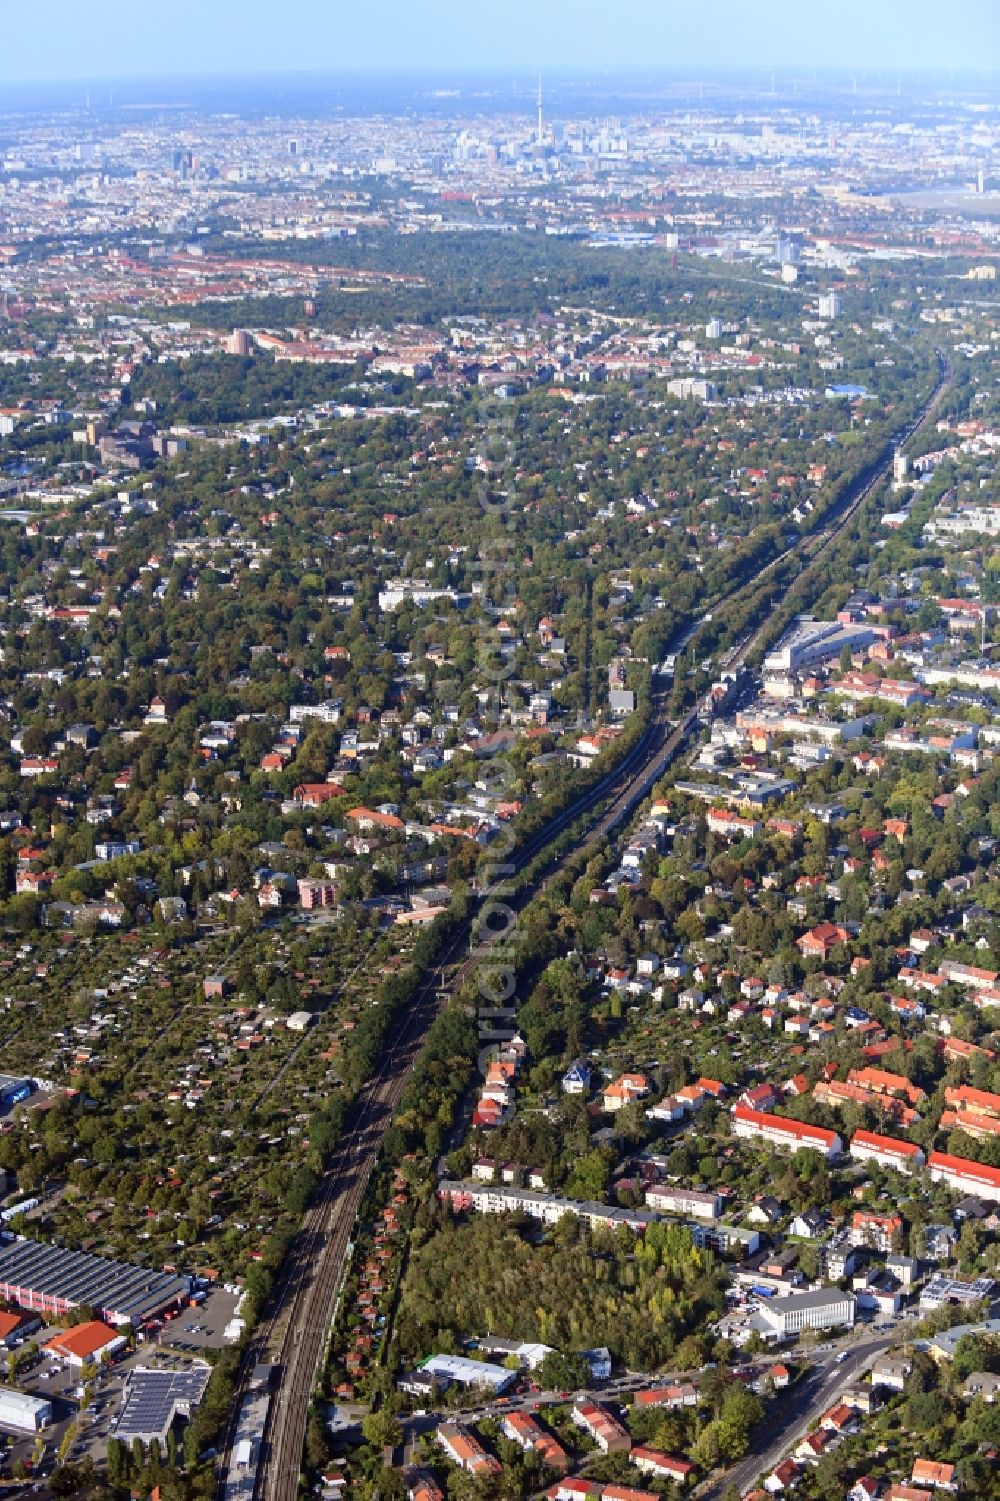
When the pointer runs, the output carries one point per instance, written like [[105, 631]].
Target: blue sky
[[81, 39]]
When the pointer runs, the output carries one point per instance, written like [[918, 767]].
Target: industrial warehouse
[[155, 1398], [53, 1281], [438, 1372], [13, 1090], [23, 1412]]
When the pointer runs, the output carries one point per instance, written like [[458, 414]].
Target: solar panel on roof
[[153, 1399]]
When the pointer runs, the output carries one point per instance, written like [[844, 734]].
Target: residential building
[[882, 1232], [982, 1384], [315, 893], [610, 1436], [935, 1473], [524, 1429], [703, 1206], [421, 1485], [887, 1151], [665, 1466], [576, 1079], [781, 1132], [820, 941], [965, 1176], [682, 1394], [464, 1449], [625, 1089], [891, 1371]]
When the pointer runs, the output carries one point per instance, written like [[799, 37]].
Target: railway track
[[294, 1332]]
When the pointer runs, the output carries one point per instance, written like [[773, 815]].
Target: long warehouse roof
[[79, 1278]]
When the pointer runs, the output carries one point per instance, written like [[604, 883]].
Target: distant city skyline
[[64, 41]]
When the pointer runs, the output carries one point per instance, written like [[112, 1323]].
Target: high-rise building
[[239, 342], [829, 305]]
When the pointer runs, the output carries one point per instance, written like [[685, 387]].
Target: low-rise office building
[[826, 1308], [24, 1412]]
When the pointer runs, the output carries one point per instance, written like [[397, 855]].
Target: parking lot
[[86, 1400], [201, 1328], [54, 1377]]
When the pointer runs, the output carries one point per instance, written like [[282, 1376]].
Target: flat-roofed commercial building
[[24, 1412], [52, 1280], [153, 1399], [13, 1089], [460, 1370], [813, 641], [827, 1308], [943, 1290]]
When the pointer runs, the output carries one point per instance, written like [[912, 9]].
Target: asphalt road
[[791, 1420]]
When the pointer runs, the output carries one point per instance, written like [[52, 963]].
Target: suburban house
[[652, 1462], [820, 941], [625, 1089], [610, 1436], [464, 1449]]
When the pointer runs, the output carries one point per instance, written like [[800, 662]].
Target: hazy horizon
[[110, 41], [468, 93]]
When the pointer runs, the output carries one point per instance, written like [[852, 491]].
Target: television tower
[[541, 132]]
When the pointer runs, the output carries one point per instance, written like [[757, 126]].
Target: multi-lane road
[[788, 1421], [293, 1335]]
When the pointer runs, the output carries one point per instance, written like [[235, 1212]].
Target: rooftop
[[129, 1293]]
